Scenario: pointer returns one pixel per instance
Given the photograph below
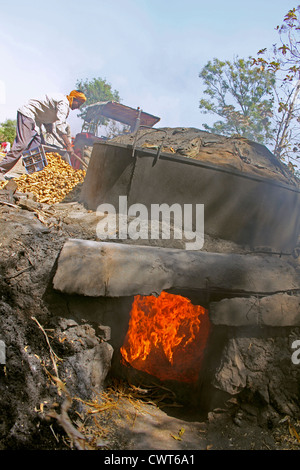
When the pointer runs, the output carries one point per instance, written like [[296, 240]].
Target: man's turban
[[78, 95]]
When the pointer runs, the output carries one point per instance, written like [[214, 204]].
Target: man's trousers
[[27, 138]]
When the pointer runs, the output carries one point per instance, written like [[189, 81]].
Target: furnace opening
[[166, 337]]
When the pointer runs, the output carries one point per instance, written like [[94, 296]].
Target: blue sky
[[151, 51]]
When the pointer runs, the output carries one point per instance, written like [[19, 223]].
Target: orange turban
[[78, 95]]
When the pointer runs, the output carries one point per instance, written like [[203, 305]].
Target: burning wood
[[53, 183], [166, 337]]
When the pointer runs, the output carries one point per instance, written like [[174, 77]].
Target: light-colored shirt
[[48, 109]]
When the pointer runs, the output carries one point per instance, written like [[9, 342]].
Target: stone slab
[[274, 310], [95, 269]]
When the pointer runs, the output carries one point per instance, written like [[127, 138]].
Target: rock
[[231, 377], [275, 310], [105, 332], [29, 204], [11, 186], [89, 369], [95, 269], [6, 196]]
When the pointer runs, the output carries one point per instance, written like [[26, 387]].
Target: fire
[[166, 337]]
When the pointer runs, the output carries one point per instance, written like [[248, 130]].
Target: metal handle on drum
[[151, 129]]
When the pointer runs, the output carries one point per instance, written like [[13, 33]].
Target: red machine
[[94, 114]]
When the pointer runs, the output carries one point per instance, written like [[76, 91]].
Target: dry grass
[[121, 402]]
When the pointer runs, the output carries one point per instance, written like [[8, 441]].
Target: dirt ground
[[44, 402]]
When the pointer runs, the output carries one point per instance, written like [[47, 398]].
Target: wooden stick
[[54, 356], [8, 204], [81, 161]]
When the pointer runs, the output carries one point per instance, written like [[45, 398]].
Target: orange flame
[[166, 337]]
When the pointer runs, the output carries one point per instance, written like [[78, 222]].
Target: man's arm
[[67, 143]]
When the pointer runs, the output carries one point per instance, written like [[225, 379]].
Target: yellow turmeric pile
[[53, 183]]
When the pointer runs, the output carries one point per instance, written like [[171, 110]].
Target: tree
[[241, 95], [284, 61], [8, 130], [96, 90]]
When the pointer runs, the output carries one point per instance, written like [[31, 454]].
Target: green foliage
[[284, 61], [96, 90], [240, 95], [8, 131]]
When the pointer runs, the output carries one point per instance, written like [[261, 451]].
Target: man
[[45, 111]]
